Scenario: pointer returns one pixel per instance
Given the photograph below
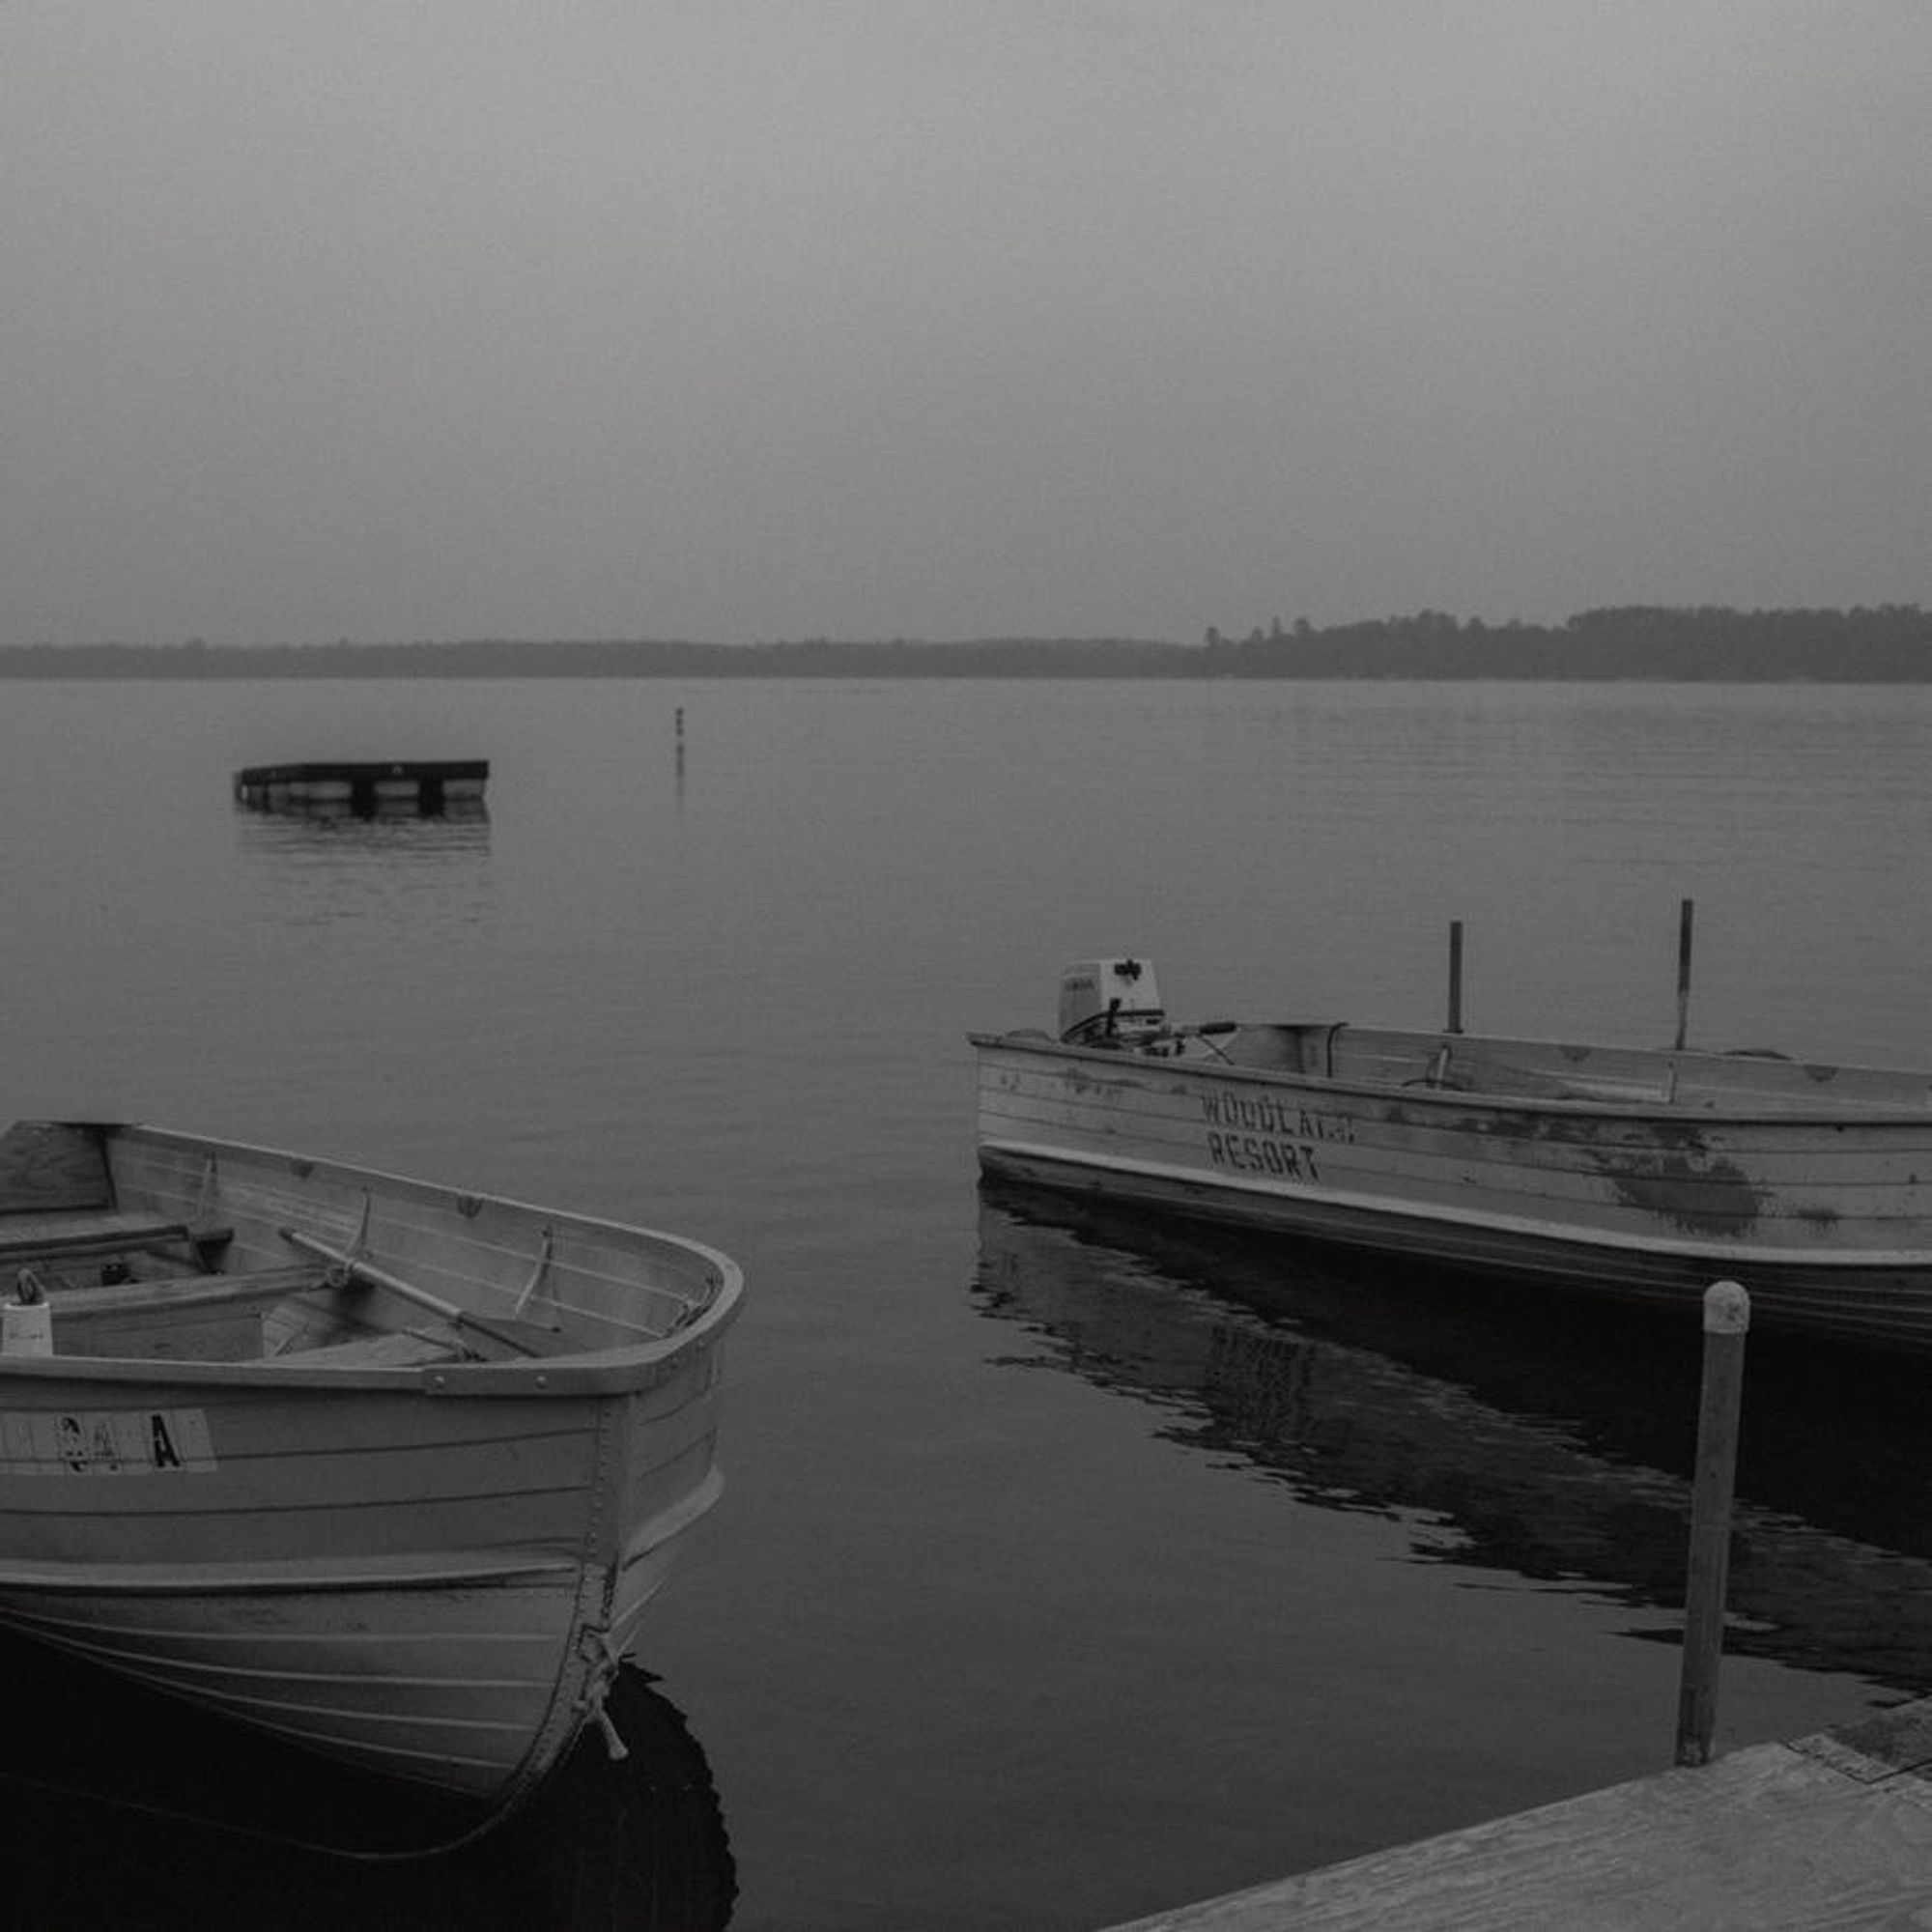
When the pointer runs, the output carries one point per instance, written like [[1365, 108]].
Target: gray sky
[[755, 319]]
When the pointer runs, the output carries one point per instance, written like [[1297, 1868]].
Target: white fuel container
[[27, 1323]]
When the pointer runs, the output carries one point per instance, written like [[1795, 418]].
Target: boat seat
[[180, 1294], [1636, 1093], [1480, 1074], [28, 1236]]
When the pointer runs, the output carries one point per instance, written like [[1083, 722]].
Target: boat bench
[[25, 1237], [181, 1294], [1479, 1073], [179, 1318], [1611, 1092]]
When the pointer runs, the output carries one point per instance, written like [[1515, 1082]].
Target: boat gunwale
[[591, 1373], [1843, 1114]]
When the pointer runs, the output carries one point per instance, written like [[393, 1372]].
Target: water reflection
[[461, 825], [373, 811], [334, 864], [122, 1807], [1551, 1438]]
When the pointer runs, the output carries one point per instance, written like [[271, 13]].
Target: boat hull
[[430, 1571], [1824, 1217]]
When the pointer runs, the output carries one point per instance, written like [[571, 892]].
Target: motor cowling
[[1103, 1000]]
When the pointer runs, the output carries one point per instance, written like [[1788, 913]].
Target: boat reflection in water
[[1550, 1437], [123, 1807]]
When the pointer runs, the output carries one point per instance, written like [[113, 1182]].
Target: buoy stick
[[1686, 912], [1726, 1320], [1455, 976]]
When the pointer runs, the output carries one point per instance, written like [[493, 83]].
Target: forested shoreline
[[1889, 643]]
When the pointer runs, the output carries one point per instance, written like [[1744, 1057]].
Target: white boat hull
[[431, 1571], [1634, 1182]]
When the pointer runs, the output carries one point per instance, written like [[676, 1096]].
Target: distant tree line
[[1890, 643]]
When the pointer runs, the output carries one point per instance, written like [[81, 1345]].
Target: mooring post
[[1727, 1319], [1686, 914], [1455, 976]]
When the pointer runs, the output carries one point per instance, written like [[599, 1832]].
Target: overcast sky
[[761, 319]]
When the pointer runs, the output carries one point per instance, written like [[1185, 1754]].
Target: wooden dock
[[1829, 1830], [428, 786]]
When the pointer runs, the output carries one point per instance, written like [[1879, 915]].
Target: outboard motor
[[1108, 1001]]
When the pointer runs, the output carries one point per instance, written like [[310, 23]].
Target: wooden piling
[[1727, 1320], [1686, 914]]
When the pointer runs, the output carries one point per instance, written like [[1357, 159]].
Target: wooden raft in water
[[427, 785]]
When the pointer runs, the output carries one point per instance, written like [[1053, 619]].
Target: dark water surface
[[1071, 1567]]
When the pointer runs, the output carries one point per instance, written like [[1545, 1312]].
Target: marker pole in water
[[1686, 912], [1726, 1320], [1455, 976]]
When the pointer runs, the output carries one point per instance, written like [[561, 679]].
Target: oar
[[525, 1338]]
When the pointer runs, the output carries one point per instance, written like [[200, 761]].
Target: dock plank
[[1831, 1830]]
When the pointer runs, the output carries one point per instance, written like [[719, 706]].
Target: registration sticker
[[105, 1443]]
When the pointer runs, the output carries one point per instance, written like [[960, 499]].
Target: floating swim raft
[[428, 785]]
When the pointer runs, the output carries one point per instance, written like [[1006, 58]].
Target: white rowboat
[[386, 1468], [1641, 1172]]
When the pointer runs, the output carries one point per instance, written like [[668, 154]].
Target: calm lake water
[[1069, 1568]]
